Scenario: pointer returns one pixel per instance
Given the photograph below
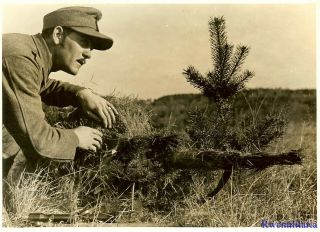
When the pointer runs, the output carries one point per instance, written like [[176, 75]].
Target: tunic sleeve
[[23, 115], [59, 93]]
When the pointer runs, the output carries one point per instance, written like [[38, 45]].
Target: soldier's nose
[[87, 54]]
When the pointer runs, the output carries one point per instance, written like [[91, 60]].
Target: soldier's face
[[73, 52]]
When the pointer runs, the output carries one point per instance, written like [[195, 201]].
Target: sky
[[154, 43]]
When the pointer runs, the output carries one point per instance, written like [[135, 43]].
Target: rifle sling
[[222, 182]]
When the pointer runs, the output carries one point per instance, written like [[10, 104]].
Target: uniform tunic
[[26, 65]]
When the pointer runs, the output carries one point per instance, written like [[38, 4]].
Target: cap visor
[[99, 40]]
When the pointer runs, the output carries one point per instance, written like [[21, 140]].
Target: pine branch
[[196, 79], [218, 39], [259, 133], [238, 60], [243, 78], [225, 64]]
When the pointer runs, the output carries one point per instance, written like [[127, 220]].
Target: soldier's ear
[[57, 35]]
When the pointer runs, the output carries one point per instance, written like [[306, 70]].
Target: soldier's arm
[[23, 115], [59, 93]]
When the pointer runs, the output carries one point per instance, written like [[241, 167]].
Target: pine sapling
[[214, 129]]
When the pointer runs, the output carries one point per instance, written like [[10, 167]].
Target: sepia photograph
[[178, 114]]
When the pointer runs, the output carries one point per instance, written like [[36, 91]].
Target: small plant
[[217, 129]]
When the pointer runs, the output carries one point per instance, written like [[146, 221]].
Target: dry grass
[[277, 193]]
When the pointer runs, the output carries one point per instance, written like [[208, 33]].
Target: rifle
[[232, 160], [167, 151], [164, 149]]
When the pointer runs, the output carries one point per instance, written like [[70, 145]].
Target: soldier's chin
[[72, 70]]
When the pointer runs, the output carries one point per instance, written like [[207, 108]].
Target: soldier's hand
[[89, 138], [97, 107]]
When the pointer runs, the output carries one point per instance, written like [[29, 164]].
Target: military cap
[[81, 19]]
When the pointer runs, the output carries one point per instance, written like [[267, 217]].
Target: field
[[276, 194]]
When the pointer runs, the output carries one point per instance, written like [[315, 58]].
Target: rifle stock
[[222, 160]]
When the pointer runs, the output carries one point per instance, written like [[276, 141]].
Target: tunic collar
[[43, 51]]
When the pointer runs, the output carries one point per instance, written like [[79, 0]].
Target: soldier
[[68, 36]]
